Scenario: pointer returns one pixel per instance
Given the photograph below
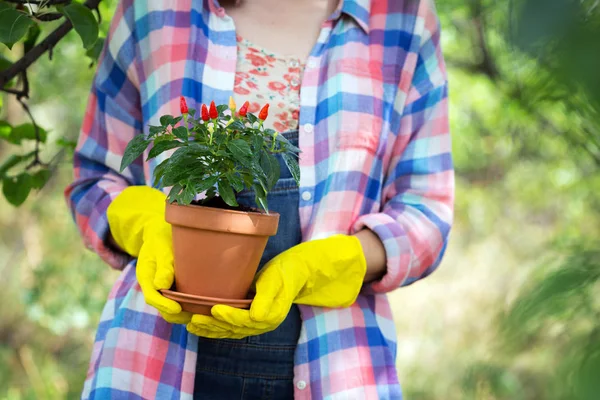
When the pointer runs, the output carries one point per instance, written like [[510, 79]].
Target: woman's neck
[[287, 27]]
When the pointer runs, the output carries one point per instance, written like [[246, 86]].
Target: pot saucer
[[200, 304]]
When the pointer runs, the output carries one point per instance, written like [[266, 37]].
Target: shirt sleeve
[[113, 116], [418, 191]]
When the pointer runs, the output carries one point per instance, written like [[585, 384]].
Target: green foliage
[[16, 188], [21, 24], [84, 23], [16, 24], [15, 172], [95, 51], [231, 153], [559, 308], [26, 132], [13, 24]]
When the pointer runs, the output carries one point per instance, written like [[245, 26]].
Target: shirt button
[[308, 128], [294, 64], [294, 82], [301, 385], [306, 196]]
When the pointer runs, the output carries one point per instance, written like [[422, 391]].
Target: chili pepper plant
[[218, 153]]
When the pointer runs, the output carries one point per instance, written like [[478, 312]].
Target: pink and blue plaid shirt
[[376, 153]]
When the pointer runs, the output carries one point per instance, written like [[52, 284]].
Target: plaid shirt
[[376, 154]]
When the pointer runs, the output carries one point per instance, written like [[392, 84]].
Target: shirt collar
[[359, 10]]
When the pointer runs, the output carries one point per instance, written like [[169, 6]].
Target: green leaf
[[174, 193], [40, 178], [198, 149], [84, 22], [16, 189], [286, 143], [95, 51], [166, 120], [13, 160], [219, 139], [292, 164], [5, 130], [270, 166], [260, 197], [26, 132], [181, 132], [134, 149], [32, 36], [260, 176], [70, 145], [210, 193], [257, 145], [4, 63], [206, 184], [13, 24], [183, 163], [221, 108], [188, 194], [162, 146], [252, 118], [240, 149], [248, 179], [236, 181], [238, 125], [155, 130], [159, 171], [226, 192]]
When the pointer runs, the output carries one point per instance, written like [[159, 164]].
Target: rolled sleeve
[[112, 119], [418, 190]]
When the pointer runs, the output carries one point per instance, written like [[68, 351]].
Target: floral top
[[264, 77]]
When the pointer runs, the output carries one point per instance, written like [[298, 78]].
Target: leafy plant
[[220, 153]]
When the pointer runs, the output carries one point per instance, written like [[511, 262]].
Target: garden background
[[513, 312]]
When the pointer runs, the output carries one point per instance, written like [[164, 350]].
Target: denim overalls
[[257, 367]]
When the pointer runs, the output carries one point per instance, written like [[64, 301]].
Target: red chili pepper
[[264, 113], [183, 105], [244, 110], [205, 116], [213, 111]]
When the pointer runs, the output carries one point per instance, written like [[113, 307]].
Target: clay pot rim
[[226, 210], [222, 220], [202, 300]]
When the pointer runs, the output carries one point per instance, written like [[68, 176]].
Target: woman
[[361, 86]]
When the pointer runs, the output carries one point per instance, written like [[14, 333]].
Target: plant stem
[[186, 125]]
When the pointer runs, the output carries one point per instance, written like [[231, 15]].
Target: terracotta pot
[[217, 251]]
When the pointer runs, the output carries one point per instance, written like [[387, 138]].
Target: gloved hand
[[136, 218], [324, 273]]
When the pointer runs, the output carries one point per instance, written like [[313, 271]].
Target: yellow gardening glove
[[137, 223], [324, 273]]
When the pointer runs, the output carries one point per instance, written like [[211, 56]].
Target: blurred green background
[[513, 311]]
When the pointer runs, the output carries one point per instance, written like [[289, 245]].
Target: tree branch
[[45, 45], [37, 2], [487, 64], [48, 17], [31, 56]]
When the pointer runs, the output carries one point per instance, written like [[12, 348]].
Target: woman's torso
[[357, 79]]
